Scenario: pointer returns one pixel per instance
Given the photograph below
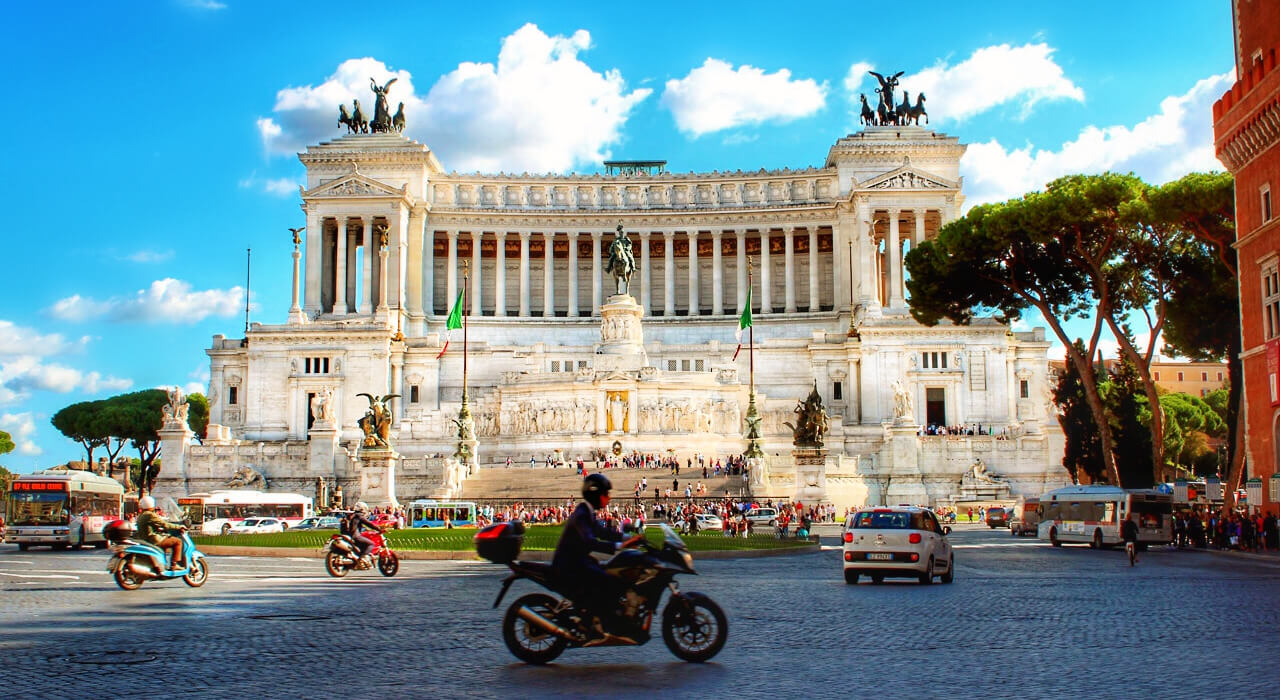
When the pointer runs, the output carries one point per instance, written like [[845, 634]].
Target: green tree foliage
[[6, 443], [79, 422], [1083, 454], [198, 414], [1129, 416]]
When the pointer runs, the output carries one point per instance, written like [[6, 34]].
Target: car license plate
[[879, 556]]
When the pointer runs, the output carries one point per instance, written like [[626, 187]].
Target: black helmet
[[595, 486]]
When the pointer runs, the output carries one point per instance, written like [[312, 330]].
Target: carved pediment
[[354, 185], [908, 178]]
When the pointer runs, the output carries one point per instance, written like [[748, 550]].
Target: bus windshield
[[35, 508]]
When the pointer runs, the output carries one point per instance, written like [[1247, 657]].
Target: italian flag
[[455, 321], [744, 322]]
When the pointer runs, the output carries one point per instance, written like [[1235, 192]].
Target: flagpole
[[753, 453], [466, 277]]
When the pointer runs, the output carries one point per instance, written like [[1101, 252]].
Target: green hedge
[[536, 538]]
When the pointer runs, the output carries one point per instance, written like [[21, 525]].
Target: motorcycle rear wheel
[[197, 573], [336, 564], [528, 642], [695, 630], [125, 578], [389, 564]]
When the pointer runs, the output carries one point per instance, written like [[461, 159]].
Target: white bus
[[217, 512], [1092, 515], [61, 508]]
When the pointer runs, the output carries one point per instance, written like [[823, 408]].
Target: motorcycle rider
[[352, 525], [585, 533], [156, 530]]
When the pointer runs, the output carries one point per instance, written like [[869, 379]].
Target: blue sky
[[149, 143]]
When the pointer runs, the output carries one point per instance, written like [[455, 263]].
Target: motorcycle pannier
[[500, 543], [117, 531]]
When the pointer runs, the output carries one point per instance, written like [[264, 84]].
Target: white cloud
[[21, 427], [166, 300], [1171, 143], [20, 340], [23, 365], [853, 80], [279, 187], [994, 75], [714, 97], [149, 256], [194, 388], [204, 4], [539, 108]]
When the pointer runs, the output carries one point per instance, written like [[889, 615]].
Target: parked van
[[1026, 518]]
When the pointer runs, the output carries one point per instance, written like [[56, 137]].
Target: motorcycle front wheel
[[336, 564], [197, 573], [125, 578], [389, 564], [527, 641], [695, 628]]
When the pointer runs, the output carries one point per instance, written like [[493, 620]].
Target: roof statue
[[887, 111], [384, 122], [622, 262]]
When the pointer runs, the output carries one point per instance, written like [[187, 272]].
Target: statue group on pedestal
[[887, 113], [176, 410], [811, 422], [383, 121], [622, 262], [376, 423]]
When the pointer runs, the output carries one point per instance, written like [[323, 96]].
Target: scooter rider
[[583, 534], [352, 525], [155, 529]]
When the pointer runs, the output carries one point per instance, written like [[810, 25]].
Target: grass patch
[[536, 538]]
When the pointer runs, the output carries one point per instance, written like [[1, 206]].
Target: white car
[[763, 516], [897, 541], [257, 526], [709, 521]]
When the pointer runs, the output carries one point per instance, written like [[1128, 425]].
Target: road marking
[[2, 573]]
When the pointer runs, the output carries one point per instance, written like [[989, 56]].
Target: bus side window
[[1109, 513]]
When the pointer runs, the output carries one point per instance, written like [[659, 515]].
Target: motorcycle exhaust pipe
[[139, 569], [341, 546], [524, 613]]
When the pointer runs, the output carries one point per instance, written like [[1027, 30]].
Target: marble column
[[717, 275], [475, 305], [695, 304], [596, 299], [500, 275], [646, 279], [919, 237], [312, 244], [742, 269], [868, 283], [894, 261], [815, 304], [428, 269], [765, 269], [573, 274], [669, 273], [789, 260], [370, 252], [451, 269], [340, 269], [549, 274], [524, 272], [295, 310]]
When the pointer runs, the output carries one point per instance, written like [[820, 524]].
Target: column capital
[[789, 229], [717, 233], [525, 234], [597, 235], [452, 233], [894, 211], [572, 234], [668, 233], [692, 233]]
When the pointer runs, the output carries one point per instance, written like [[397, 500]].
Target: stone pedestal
[[175, 436], [620, 332], [906, 482], [378, 477], [325, 448], [811, 474]]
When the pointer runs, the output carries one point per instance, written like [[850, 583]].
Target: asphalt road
[[1022, 620]]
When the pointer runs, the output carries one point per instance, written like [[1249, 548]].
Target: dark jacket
[[353, 523], [153, 528], [1129, 531], [584, 534]]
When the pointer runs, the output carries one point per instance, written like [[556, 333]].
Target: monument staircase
[[542, 483]]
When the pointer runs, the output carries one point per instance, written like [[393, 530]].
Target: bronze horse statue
[[868, 116], [914, 113], [397, 122]]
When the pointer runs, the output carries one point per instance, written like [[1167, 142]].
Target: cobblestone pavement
[[1021, 620]]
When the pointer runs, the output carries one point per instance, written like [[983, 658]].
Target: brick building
[[1246, 125]]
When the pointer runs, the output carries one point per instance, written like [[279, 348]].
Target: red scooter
[[342, 556]]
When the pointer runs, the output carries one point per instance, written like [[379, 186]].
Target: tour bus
[[61, 507], [431, 513], [1092, 514], [217, 512]]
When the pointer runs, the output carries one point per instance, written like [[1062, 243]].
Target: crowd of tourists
[[1237, 531], [967, 429], [596, 460]]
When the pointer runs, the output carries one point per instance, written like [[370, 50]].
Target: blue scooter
[[133, 562]]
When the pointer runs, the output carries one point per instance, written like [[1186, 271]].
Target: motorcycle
[[134, 563], [341, 556], [538, 627]]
